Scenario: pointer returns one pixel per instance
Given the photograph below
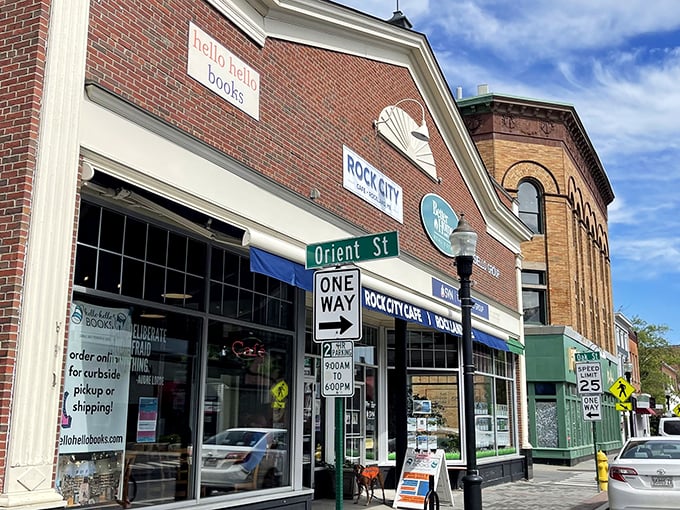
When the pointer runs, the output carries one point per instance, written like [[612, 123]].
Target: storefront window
[[246, 420], [126, 412], [143, 295], [433, 406], [494, 404]]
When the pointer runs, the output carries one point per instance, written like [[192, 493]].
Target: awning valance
[[645, 410], [515, 346], [282, 269]]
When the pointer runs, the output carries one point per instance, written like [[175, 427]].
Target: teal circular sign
[[439, 220]]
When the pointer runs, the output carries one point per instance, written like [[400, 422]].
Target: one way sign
[[337, 305], [591, 407]]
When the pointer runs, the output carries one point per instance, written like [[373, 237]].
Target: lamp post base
[[472, 492]]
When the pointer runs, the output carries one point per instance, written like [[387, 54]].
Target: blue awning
[[490, 340], [295, 274], [282, 269]]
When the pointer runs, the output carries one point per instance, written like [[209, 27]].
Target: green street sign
[[354, 249], [587, 356]]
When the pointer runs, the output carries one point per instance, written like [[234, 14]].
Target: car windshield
[[236, 438], [652, 450]]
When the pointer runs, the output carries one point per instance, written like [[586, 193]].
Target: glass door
[[355, 425], [312, 435]]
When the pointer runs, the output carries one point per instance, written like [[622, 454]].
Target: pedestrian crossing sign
[[624, 406], [676, 410], [621, 389]]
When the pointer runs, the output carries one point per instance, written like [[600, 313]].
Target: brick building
[[165, 165], [541, 154]]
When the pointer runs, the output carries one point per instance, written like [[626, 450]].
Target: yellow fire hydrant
[[602, 470]]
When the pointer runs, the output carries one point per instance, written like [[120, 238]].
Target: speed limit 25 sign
[[589, 377]]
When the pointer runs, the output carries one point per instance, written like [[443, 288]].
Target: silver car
[[646, 474], [244, 459]]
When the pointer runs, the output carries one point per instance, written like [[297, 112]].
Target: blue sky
[[618, 63]]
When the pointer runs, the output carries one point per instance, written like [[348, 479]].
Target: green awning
[[515, 346]]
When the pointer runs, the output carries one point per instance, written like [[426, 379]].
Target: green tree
[[653, 349]]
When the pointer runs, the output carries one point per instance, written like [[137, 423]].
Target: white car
[[244, 459], [669, 426], [646, 474]]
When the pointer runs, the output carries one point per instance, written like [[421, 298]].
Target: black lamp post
[[668, 403], [463, 243]]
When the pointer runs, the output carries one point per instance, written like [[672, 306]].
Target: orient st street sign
[[352, 250]]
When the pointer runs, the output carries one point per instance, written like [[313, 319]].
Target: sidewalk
[[554, 487]]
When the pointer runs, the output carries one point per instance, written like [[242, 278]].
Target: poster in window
[[96, 379], [147, 419]]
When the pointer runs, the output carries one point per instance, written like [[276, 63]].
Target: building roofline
[[547, 110]]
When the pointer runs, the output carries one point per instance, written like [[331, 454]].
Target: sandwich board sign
[[414, 482]]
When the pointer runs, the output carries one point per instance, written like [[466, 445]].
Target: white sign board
[[414, 482], [337, 369], [337, 305], [589, 377], [96, 379], [371, 185], [591, 407], [221, 71]]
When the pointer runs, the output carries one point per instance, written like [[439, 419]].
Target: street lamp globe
[[463, 239]]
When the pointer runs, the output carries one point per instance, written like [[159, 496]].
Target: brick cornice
[[540, 120]]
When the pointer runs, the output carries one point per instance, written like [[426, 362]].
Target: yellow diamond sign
[[624, 406], [676, 410], [621, 389]]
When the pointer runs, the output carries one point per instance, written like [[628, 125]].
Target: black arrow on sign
[[343, 325], [590, 414]]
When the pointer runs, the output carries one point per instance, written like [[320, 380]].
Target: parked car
[[646, 474], [244, 458], [669, 426]]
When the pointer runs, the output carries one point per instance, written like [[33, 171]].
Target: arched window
[[529, 198]]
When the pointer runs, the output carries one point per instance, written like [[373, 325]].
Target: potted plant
[[325, 481]]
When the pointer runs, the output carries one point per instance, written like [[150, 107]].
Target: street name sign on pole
[[337, 304], [352, 250], [591, 407], [337, 369], [589, 377], [587, 356]]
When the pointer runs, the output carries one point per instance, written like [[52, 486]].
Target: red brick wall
[[312, 102], [22, 60]]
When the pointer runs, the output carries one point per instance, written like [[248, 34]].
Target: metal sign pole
[[595, 447], [339, 450]]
